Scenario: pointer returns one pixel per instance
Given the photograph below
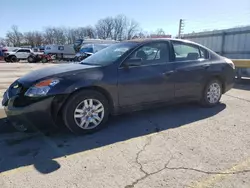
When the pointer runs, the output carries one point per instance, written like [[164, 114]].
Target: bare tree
[[38, 38], [29, 38], [104, 28], [58, 35], [69, 35], [132, 29], [14, 36], [3, 42], [120, 25], [160, 31], [90, 32], [48, 36]]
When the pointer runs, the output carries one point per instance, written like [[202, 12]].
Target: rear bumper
[[35, 115]]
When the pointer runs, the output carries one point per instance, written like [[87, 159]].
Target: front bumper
[[33, 116]]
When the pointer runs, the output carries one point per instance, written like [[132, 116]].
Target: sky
[[199, 15]]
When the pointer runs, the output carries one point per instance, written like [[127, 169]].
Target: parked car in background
[[18, 54], [89, 49], [61, 52], [126, 76]]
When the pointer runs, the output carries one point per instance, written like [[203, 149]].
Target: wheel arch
[[219, 78], [101, 90]]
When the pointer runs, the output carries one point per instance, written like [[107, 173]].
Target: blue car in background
[[89, 49]]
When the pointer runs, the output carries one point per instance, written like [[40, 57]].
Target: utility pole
[[181, 28]]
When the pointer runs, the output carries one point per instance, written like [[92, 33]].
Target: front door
[[148, 81], [20, 54]]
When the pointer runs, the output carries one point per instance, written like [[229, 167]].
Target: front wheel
[[212, 93], [7, 60], [86, 112], [13, 59]]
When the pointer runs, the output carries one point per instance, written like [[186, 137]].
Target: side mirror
[[133, 62]]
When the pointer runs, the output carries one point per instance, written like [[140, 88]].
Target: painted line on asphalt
[[213, 179]]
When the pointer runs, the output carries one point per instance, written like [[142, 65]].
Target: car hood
[[53, 71], [10, 52]]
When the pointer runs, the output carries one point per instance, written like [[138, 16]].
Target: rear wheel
[[86, 112], [212, 93], [31, 59]]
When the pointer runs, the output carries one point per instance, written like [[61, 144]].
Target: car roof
[[23, 48], [144, 40]]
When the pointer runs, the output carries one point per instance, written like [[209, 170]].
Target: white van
[[60, 51]]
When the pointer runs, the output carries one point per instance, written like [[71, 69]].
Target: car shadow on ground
[[243, 84], [36, 149]]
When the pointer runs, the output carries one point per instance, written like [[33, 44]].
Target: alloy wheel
[[214, 93], [89, 114]]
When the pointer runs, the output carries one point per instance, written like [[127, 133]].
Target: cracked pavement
[[176, 146]]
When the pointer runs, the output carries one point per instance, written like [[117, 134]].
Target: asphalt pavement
[[175, 146]]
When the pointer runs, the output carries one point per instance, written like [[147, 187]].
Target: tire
[[31, 59], [77, 101], [13, 59], [215, 88], [6, 59]]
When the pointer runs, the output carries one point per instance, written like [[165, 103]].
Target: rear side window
[[187, 52]]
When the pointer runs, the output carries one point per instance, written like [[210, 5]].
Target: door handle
[[168, 73]]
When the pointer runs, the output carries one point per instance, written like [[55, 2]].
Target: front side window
[[186, 52], [153, 53], [110, 54], [60, 47], [27, 51], [21, 50]]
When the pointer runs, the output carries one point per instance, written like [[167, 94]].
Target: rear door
[[26, 53], [148, 82], [191, 68]]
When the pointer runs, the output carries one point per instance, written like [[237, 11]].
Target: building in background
[[160, 36], [232, 43]]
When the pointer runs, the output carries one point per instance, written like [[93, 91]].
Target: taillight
[[230, 62]]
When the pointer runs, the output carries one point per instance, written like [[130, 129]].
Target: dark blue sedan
[[126, 76]]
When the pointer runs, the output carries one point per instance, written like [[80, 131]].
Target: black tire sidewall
[[205, 101], [30, 59], [13, 59], [71, 104], [7, 59]]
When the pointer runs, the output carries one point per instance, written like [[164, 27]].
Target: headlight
[[42, 88]]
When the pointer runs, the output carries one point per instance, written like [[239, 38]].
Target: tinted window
[[27, 51], [152, 53], [185, 52], [60, 47]]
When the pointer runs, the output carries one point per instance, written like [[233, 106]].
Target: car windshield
[[14, 50], [110, 54]]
